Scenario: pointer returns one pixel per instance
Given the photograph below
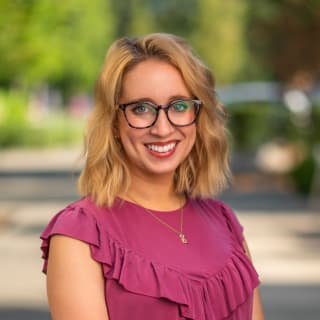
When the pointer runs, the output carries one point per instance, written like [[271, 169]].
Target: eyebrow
[[171, 98]]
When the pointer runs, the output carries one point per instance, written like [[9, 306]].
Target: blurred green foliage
[[60, 44], [18, 130], [253, 124], [63, 44], [303, 175], [219, 37]]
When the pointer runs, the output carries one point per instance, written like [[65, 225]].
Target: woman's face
[[160, 149]]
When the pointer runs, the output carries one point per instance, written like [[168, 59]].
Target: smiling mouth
[[163, 148]]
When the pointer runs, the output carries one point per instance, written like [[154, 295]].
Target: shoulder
[[212, 206], [79, 221], [76, 219], [222, 212]]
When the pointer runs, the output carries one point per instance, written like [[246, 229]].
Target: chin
[[158, 171]]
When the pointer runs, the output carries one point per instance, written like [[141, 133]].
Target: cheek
[[130, 138], [124, 131]]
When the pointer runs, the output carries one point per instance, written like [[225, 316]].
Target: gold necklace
[[178, 232]]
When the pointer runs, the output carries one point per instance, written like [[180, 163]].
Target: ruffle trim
[[197, 298]]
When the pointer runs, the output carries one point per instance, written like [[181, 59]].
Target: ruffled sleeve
[[74, 222]]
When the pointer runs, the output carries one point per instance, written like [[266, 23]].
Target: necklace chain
[[178, 232]]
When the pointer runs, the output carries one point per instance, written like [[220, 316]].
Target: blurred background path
[[283, 234]]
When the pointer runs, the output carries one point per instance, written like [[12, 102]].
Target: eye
[[142, 108], [180, 106]]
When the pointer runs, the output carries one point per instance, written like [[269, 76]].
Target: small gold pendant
[[183, 238]]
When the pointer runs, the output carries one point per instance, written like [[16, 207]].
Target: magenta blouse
[[150, 274]]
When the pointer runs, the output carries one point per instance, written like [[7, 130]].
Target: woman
[[146, 241]]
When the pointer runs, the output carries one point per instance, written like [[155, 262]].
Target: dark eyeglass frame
[[165, 108]]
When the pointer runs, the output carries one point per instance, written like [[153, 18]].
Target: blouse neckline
[[136, 205]]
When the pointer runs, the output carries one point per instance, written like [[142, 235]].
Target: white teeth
[[161, 149]]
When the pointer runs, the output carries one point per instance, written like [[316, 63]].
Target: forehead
[[154, 79]]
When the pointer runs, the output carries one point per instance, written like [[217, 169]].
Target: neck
[[154, 193]]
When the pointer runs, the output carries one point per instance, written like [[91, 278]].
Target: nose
[[162, 127]]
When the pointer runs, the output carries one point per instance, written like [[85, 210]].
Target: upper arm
[[75, 283], [257, 311]]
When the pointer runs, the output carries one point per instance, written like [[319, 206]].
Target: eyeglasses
[[144, 114]]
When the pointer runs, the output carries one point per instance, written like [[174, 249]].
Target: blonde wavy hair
[[203, 173]]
